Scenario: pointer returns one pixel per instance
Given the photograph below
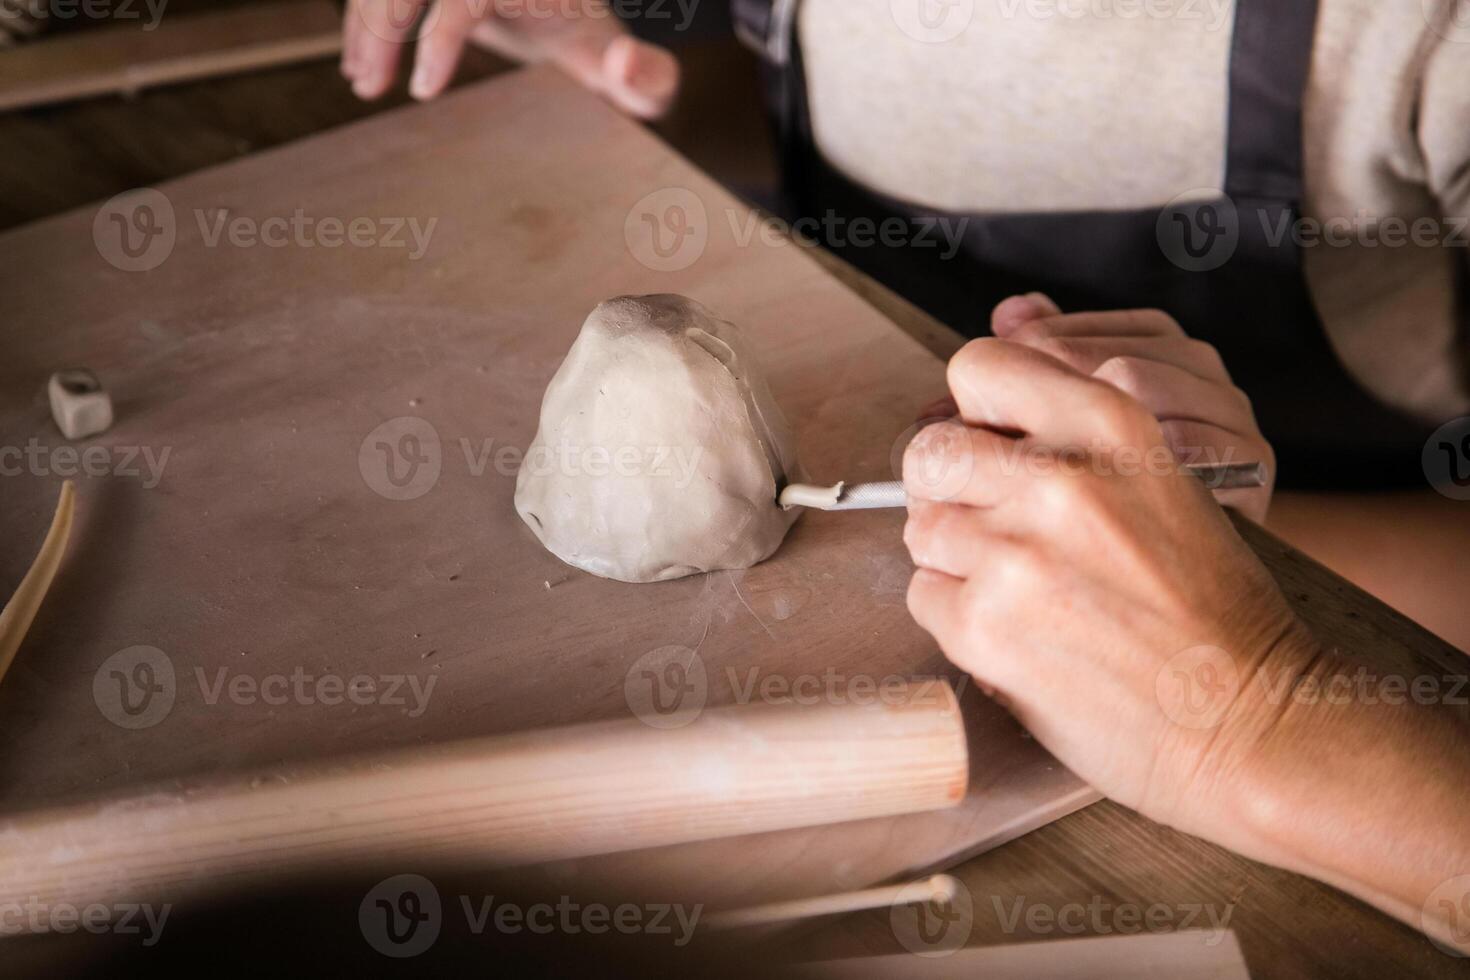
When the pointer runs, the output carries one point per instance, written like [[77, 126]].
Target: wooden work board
[[269, 545]]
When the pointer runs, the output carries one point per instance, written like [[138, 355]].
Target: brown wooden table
[[1104, 857]]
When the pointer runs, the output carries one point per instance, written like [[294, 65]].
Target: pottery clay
[[660, 450]]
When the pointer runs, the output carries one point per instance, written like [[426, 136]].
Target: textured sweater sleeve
[[1444, 119]]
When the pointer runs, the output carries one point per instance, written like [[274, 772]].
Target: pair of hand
[[582, 37], [1068, 564]]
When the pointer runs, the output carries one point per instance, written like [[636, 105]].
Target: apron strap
[[766, 27], [1270, 61]]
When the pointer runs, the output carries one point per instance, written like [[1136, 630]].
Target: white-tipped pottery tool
[[879, 496]]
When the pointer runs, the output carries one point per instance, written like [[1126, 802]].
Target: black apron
[[1220, 267]]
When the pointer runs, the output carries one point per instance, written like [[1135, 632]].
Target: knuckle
[[1032, 332], [918, 530], [1022, 571], [1184, 439], [1208, 357], [921, 600], [1060, 495], [1061, 348], [1157, 317], [1123, 372], [1121, 420], [975, 615], [924, 608], [1243, 402], [914, 599], [913, 535], [966, 362]]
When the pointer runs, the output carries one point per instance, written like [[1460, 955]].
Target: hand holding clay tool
[[879, 496]]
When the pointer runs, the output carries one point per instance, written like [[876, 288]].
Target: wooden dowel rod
[[503, 801], [939, 889], [130, 57]]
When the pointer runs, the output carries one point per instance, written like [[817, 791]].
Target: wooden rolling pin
[[508, 800]]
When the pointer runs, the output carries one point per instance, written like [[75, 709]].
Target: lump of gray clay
[[660, 449]]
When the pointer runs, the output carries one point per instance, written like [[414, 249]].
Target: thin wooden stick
[[939, 889], [16, 618], [515, 799]]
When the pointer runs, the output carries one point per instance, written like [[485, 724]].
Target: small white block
[[79, 404]]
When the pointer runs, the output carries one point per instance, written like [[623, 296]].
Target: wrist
[[1245, 791], [1341, 777]]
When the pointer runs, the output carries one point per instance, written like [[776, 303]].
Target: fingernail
[[640, 77], [617, 59], [939, 408], [420, 84], [1015, 311]]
